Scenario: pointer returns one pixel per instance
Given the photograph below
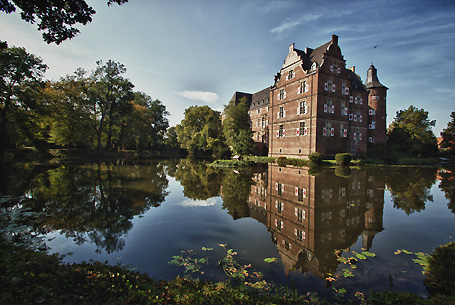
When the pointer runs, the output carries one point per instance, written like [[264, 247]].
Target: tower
[[377, 114]]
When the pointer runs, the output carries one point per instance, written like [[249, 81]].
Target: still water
[[141, 214]]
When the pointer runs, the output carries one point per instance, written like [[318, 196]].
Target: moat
[[142, 213]]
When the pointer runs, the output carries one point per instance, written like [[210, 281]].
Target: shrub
[[315, 158], [343, 159], [343, 171], [441, 271], [282, 161]]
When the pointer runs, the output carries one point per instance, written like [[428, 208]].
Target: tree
[[411, 133], [200, 130], [144, 127], [170, 138], [236, 128], [448, 135], [71, 115], [56, 17], [19, 70], [111, 96]]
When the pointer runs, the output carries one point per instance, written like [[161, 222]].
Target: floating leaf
[[270, 259]]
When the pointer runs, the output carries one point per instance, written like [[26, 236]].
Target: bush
[[441, 271], [343, 159], [282, 161], [343, 171], [315, 158]]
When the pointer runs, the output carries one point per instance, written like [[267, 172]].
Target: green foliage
[[412, 190], [21, 74], [236, 187], [199, 181], [144, 127], [270, 260], [440, 270], [236, 128], [230, 163], [448, 135], [343, 171], [350, 260], [56, 18], [282, 161], [411, 133], [111, 95], [30, 277], [383, 152], [259, 159], [200, 130], [447, 185], [343, 159], [395, 298], [315, 159], [189, 262]]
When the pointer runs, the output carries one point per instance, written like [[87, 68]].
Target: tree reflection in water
[[447, 185], [96, 203], [410, 187]]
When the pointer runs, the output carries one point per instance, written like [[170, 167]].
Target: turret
[[377, 95]]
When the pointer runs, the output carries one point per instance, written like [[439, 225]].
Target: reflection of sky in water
[[198, 203], [180, 223]]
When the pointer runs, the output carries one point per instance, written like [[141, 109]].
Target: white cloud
[[289, 24], [198, 203], [208, 97]]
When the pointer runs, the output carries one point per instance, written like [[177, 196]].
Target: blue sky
[[189, 52]]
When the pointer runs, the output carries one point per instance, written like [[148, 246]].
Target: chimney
[[291, 48], [334, 39]]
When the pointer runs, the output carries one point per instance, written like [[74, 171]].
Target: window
[[302, 129], [279, 206], [304, 87], [278, 224], [263, 122], [279, 187], [282, 95], [281, 113], [300, 234], [301, 215], [287, 245], [290, 74], [301, 193], [281, 131], [259, 110], [302, 108], [328, 107]]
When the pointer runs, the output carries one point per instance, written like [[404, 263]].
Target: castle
[[316, 104]]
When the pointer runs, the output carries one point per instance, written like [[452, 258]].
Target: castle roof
[[356, 81], [372, 79], [317, 54], [260, 98]]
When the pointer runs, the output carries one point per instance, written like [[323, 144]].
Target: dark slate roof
[[260, 98], [238, 95], [317, 54], [372, 79], [356, 81]]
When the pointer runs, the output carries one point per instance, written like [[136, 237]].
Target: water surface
[[141, 214]]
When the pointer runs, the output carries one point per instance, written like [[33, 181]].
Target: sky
[[199, 52]]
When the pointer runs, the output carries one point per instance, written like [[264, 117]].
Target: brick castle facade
[[316, 104]]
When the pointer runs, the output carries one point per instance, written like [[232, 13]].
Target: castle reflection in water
[[310, 216]]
